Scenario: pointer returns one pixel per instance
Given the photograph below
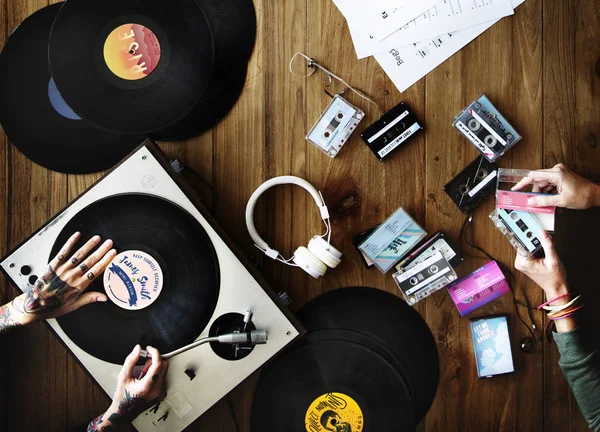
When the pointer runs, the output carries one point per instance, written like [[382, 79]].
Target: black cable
[[464, 236], [232, 410]]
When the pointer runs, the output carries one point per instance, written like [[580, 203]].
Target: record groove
[[189, 265]]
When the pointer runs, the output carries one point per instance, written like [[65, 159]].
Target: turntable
[[206, 288]]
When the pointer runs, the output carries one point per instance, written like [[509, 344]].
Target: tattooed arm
[[134, 395], [61, 289]]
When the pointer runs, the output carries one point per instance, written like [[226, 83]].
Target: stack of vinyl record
[[368, 363], [83, 83]]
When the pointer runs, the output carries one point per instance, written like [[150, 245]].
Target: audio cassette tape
[[424, 279], [391, 130], [521, 228], [486, 128], [472, 184], [334, 127], [437, 242]]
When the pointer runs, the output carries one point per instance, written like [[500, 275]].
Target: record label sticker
[[132, 51], [334, 412], [133, 280]]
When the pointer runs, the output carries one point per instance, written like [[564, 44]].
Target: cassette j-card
[[486, 128], [472, 184], [391, 130], [334, 127]]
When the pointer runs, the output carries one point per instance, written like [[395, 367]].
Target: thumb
[[548, 246], [545, 201], [87, 298]]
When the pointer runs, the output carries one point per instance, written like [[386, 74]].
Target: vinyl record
[[35, 117], [132, 66], [234, 28], [186, 257], [331, 386], [389, 320]]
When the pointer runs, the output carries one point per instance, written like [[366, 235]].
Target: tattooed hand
[[61, 289], [134, 395]]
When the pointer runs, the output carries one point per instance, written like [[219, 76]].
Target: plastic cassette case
[[484, 127], [521, 228]]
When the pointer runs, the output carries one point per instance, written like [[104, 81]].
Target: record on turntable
[[132, 66], [234, 28], [176, 279], [36, 118]]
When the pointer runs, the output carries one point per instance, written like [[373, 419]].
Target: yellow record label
[[334, 412]]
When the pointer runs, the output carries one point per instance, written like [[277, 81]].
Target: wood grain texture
[[541, 68]]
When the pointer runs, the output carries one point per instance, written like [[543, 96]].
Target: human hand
[[548, 272], [61, 289], [576, 192], [134, 395]]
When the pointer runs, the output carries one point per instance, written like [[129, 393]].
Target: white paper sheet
[[445, 17], [408, 64], [369, 22]]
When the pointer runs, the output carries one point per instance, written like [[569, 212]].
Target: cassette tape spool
[[472, 184], [425, 278], [521, 228], [486, 129], [334, 127]]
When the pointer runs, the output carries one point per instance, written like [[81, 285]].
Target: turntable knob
[[25, 270], [32, 279], [190, 373]]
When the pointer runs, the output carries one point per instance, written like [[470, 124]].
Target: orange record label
[[133, 280], [334, 412], [132, 51]]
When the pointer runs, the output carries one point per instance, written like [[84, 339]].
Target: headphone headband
[[272, 253]]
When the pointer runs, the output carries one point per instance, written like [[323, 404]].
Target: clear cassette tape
[[521, 228], [334, 127], [425, 278], [486, 128]]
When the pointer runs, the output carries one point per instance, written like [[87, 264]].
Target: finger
[[155, 366], [525, 181], [145, 369], [88, 298], [130, 362], [548, 245], [61, 257], [97, 269], [83, 251], [89, 262], [545, 201]]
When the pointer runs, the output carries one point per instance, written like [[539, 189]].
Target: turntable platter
[[190, 270]]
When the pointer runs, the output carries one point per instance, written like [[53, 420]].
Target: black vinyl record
[[186, 256], [35, 117], [132, 66], [389, 320], [331, 386], [234, 28]]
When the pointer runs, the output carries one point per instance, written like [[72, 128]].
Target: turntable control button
[[32, 279], [164, 417], [190, 373], [25, 270]]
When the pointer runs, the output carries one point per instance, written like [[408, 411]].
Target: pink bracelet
[[553, 300]]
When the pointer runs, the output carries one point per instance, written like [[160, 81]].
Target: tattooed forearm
[[8, 319], [128, 409]]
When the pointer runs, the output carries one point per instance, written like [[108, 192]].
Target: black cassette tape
[[391, 131], [472, 184], [358, 239]]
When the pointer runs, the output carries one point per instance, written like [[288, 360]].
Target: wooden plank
[[572, 128], [485, 66]]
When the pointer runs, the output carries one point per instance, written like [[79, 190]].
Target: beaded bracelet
[[553, 300]]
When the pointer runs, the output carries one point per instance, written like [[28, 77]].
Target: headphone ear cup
[[325, 252], [309, 262]]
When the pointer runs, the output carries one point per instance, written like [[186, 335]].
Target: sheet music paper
[[406, 65], [446, 16]]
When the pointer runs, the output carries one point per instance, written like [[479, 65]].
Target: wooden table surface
[[540, 67]]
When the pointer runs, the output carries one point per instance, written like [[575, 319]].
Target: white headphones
[[319, 254]]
